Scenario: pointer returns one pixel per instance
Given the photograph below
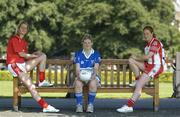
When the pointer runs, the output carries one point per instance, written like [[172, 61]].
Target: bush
[[5, 76]]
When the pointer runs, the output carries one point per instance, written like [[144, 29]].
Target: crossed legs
[[41, 60], [26, 80]]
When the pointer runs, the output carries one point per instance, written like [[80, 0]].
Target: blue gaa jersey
[[87, 62]]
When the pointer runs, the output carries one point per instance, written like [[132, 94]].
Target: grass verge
[[166, 90]]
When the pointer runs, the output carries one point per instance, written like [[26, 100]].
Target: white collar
[[91, 52]]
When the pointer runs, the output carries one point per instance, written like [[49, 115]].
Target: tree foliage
[[57, 26]]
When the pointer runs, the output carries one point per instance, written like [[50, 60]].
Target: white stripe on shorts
[[22, 66]]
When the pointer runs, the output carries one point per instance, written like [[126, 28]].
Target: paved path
[[103, 108]]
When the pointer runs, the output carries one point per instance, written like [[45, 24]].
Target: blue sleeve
[[97, 57], [76, 58]]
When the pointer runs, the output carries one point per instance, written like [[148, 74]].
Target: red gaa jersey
[[16, 45], [155, 46]]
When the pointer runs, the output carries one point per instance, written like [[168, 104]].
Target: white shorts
[[98, 81], [22, 66]]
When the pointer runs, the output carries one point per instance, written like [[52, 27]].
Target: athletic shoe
[[90, 108], [133, 84], [79, 108], [45, 84], [125, 109], [50, 109]]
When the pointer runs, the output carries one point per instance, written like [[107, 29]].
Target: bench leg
[[15, 94], [19, 101], [156, 96], [156, 103], [85, 97]]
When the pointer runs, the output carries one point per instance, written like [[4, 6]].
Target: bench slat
[[62, 74], [112, 75], [49, 73], [124, 74], [114, 61], [106, 76], [59, 62], [64, 89], [118, 75], [55, 75], [67, 81]]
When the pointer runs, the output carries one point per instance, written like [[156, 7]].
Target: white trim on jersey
[[87, 56], [157, 58]]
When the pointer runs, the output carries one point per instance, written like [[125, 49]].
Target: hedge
[[164, 77]]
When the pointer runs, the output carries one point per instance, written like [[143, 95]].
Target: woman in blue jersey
[[86, 59]]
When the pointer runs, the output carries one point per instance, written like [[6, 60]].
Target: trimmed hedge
[[5, 75], [164, 77]]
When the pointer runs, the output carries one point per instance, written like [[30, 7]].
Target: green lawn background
[[166, 91]]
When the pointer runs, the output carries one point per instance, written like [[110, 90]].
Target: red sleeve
[[155, 46], [26, 46]]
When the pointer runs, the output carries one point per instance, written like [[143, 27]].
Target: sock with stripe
[[41, 76], [43, 103], [79, 98], [130, 103], [91, 97]]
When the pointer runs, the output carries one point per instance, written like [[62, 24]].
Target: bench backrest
[[113, 72]]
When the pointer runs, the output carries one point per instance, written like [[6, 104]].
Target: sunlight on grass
[[6, 90], [165, 91]]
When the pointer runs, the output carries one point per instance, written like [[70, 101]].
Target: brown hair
[[87, 36], [19, 25], [150, 28]]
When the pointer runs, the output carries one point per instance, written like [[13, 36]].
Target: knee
[[93, 85], [43, 56], [32, 87], [23, 75], [131, 60], [78, 86]]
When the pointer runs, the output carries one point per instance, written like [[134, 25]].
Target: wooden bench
[[115, 78]]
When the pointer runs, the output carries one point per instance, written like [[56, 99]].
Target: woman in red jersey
[[151, 63], [20, 62]]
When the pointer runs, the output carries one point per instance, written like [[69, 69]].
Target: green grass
[[6, 90], [165, 90], [7, 86], [165, 78]]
